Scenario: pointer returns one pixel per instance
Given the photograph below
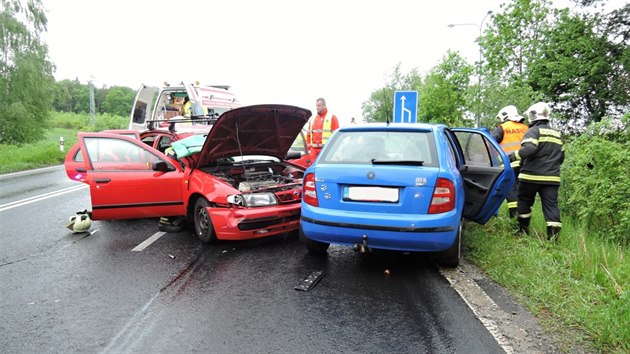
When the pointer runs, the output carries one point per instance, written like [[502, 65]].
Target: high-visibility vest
[[513, 133], [325, 132]]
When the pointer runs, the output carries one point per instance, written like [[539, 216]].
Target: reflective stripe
[[525, 216], [317, 145], [517, 155], [319, 131], [512, 205], [530, 140], [515, 163], [548, 139], [528, 177], [514, 143], [554, 223], [550, 132]]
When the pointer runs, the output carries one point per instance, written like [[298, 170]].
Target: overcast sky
[[288, 52]]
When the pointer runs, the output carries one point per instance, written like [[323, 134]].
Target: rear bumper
[[414, 233], [246, 224]]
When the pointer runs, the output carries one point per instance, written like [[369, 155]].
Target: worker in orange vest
[[320, 128], [509, 135]]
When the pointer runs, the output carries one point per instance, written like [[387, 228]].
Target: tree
[[514, 37], [443, 94], [379, 107], [579, 70], [26, 80], [118, 100]]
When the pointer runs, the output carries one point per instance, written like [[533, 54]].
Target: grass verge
[[578, 287], [40, 154]]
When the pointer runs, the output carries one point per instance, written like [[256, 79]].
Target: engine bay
[[254, 176]]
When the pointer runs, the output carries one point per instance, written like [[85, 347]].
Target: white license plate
[[371, 194]]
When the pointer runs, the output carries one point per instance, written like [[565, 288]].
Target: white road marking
[[479, 302], [41, 197], [149, 241]]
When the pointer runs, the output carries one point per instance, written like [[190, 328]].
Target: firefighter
[[187, 108], [320, 128], [509, 134], [541, 153]]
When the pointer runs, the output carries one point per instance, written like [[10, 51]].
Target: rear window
[[360, 147]]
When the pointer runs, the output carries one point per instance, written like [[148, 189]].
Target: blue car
[[402, 187]]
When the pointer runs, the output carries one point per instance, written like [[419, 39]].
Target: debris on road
[[309, 282]]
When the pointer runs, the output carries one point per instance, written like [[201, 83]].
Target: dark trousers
[[512, 196], [548, 196]]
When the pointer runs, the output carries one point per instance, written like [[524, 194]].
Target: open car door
[[143, 107], [127, 178], [486, 171]]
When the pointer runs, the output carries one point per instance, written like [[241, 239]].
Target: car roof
[[394, 126]]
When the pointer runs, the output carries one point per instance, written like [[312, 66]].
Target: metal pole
[[477, 121], [480, 27]]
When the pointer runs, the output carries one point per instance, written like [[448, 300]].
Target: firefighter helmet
[[509, 113], [538, 111]]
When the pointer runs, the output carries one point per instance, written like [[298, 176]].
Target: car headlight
[[253, 200]]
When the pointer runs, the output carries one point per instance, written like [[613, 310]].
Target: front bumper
[[251, 223]]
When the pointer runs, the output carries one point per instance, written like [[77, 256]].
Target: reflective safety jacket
[[511, 135], [541, 153], [320, 128], [187, 109]]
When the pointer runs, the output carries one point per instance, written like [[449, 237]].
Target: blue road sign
[[405, 106]]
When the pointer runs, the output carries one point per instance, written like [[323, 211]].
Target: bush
[[596, 181], [80, 122]]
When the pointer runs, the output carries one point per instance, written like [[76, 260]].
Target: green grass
[[577, 287], [41, 154]]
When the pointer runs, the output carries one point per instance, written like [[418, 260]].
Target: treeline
[[73, 96]]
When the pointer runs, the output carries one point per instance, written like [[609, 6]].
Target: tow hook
[[363, 246]]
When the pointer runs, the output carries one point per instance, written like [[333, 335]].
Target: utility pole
[[92, 105]]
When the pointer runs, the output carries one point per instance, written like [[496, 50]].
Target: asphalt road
[[93, 293]]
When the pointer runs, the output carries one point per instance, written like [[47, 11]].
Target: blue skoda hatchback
[[402, 187]]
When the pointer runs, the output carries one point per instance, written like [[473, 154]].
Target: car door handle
[[474, 184], [102, 180], [80, 169]]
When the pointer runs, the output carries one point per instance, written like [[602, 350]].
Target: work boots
[[553, 233], [513, 213], [523, 226]]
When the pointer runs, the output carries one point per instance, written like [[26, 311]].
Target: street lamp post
[[480, 27]]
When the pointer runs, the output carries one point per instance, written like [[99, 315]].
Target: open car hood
[[267, 129]]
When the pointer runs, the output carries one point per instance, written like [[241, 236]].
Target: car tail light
[[309, 193], [443, 198]]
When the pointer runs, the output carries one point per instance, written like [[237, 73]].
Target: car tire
[[312, 245], [450, 257], [203, 223]]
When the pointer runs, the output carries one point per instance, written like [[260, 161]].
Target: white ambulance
[[154, 105]]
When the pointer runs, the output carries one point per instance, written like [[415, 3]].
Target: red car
[[240, 186]]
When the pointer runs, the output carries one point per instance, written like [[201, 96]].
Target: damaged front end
[[265, 202]]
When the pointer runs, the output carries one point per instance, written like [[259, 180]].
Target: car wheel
[[203, 224], [450, 257], [312, 245]]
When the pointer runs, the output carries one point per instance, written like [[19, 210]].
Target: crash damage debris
[[309, 282]]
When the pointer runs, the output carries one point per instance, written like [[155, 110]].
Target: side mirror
[[162, 166], [293, 155]]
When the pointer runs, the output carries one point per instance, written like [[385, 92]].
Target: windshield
[[391, 147]]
